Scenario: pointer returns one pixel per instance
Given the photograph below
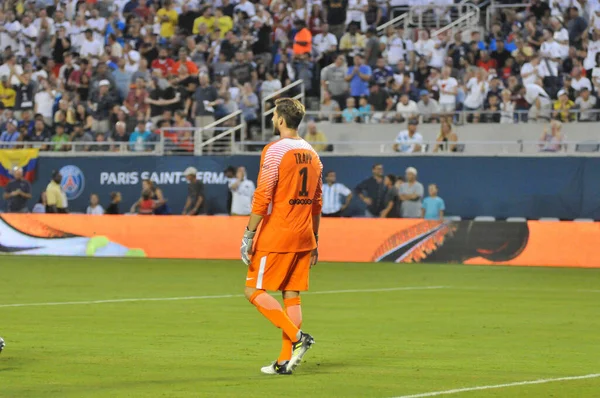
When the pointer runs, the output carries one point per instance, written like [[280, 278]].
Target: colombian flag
[[11, 158]]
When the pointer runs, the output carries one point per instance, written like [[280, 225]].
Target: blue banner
[[565, 187]]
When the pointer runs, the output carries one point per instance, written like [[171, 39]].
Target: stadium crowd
[[113, 72]]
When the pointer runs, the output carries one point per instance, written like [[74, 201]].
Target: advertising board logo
[[72, 181]]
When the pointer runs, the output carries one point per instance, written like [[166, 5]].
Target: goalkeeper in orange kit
[[288, 202]]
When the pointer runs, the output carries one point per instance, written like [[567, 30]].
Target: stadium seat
[[549, 219], [516, 219], [587, 147], [485, 218], [583, 220]]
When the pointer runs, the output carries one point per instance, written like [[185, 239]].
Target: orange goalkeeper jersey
[[288, 195]]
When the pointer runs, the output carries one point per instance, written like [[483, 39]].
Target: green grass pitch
[[473, 326]]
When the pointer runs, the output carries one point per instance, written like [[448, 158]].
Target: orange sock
[[271, 309], [294, 312]]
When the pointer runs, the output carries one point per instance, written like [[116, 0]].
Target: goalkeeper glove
[[246, 248]]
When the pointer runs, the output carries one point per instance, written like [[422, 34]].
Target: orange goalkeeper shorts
[[279, 271]]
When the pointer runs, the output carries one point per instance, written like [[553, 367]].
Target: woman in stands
[[156, 195], [552, 141], [446, 139]]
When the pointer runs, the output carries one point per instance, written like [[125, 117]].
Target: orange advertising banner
[[532, 243]]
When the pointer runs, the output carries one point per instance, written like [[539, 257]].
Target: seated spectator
[[138, 140], [382, 74], [586, 103], [365, 110], [446, 139], [507, 107], [579, 81], [492, 111], [8, 95], [269, 86], [428, 108], [316, 138], [120, 136], [552, 141], [406, 108], [409, 140], [328, 107], [249, 106], [60, 138], [101, 145], [94, 208], [136, 98], [562, 108], [145, 204], [113, 207], [11, 135], [83, 136], [39, 135], [350, 114]]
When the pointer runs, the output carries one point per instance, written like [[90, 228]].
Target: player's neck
[[289, 133]]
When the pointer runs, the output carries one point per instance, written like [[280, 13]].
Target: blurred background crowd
[[113, 73]]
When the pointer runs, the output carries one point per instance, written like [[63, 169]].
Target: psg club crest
[[72, 181]]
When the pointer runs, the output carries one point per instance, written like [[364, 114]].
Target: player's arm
[[317, 209]]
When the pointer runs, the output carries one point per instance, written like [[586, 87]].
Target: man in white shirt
[[28, 35], [9, 32], [530, 71], [477, 88], [325, 42], [551, 53], [91, 48], [400, 48], [561, 36], [98, 25], [580, 82], [247, 7], [424, 46], [586, 104], [242, 190], [538, 99], [448, 88], [356, 13], [593, 48], [409, 141], [43, 16], [440, 49], [11, 67], [406, 108], [336, 196], [44, 102], [59, 21]]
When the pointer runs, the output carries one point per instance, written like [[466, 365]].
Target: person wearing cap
[[194, 204], [409, 140], [55, 197], [11, 135], [586, 103], [411, 194], [17, 192], [562, 107], [428, 107], [103, 102]]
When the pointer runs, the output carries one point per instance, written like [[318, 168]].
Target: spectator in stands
[[579, 81], [391, 201], [576, 26], [372, 191], [120, 137], [316, 138], [433, 206], [350, 114], [17, 193], [538, 100], [586, 103], [60, 139], [406, 108], [249, 106], [424, 47], [138, 140], [242, 190], [325, 45], [409, 140], [358, 76], [195, 202], [552, 141], [113, 207], [411, 195], [448, 88], [507, 107], [568, 88], [428, 108], [492, 110], [446, 139], [382, 74], [365, 110], [398, 47], [94, 208], [477, 87], [82, 135], [372, 48], [39, 135], [352, 43], [203, 101], [333, 79], [55, 196], [328, 107], [11, 135], [562, 108]]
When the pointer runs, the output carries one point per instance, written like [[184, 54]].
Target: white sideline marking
[[519, 383], [390, 289]]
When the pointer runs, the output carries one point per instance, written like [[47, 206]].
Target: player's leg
[[291, 302], [2, 344], [296, 282], [267, 271]]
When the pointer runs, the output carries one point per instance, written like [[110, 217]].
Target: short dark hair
[[291, 110], [329, 172], [375, 165], [392, 178]]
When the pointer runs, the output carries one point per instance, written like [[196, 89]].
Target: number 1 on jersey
[[304, 175]]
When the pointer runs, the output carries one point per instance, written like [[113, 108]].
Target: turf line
[[127, 300], [491, 387]]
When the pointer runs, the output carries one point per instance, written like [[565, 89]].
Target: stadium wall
[[562, 187], [533, 243]]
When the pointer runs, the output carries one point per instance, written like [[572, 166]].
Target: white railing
[[222, 143], [467, 21], [276, 94], [401, 19], [199, 136]]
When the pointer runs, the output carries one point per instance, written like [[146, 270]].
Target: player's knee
[[288, 294], [249, 292]]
